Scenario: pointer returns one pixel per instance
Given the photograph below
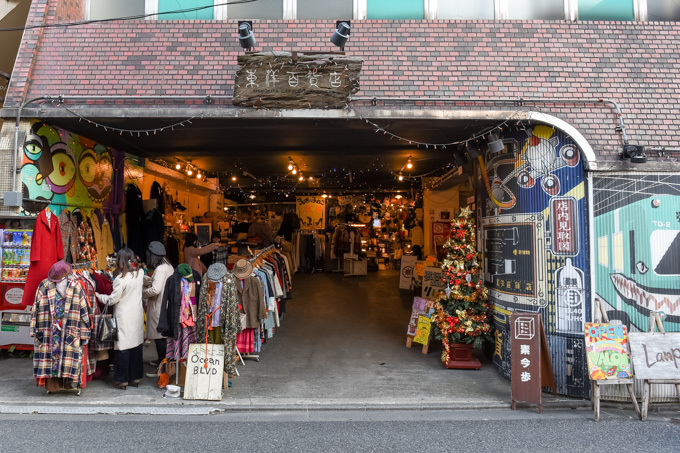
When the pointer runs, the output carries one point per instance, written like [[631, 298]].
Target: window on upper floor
[[465, 10], [395, 9], [315, 9], [261, 9], [663, 10], [532, 9], [107, 9], [606, 10], [164, 6]]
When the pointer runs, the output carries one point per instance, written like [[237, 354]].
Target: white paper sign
[[655, 355], [205, 367], [408, 265]]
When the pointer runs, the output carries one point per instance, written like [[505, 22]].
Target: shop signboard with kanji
[[531, 368]]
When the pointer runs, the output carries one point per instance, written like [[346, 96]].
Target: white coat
[[126, 298], [154, 298]]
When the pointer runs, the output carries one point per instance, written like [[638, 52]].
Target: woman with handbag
[[153, 294], [126, 297]]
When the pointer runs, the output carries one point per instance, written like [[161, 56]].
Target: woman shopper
[[153, 295], [126, 298], [192, 253]]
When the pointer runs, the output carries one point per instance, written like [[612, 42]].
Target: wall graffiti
[[637, 247], [66, 169], [531, 205]]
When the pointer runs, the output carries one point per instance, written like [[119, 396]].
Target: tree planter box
[[460, 357]]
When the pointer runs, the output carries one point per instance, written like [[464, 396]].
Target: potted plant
[[461, 309]]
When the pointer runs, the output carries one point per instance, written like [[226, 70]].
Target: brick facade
[[635, 64]]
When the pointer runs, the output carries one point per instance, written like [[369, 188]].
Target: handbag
[[108, 329]]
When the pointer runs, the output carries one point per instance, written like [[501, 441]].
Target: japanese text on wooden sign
[[526, 357], [433, 282], [285, 80], [607, 351]]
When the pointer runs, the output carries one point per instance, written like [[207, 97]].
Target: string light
[[409, 164], [400, 177], [291, 164], [234, 178], [294, 171], [178, 166]]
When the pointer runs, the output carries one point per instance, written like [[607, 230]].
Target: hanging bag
[[108, 329]]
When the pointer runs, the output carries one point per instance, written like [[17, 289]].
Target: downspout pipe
[[16, 137]]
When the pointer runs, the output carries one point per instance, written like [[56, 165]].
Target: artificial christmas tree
[[461, 310]]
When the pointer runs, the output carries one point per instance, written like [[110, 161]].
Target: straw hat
[[243, 269]]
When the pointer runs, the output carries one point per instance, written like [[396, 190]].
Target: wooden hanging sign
[[205, 367], [284, 80], [531, 367]]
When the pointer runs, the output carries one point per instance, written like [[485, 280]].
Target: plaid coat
[[75, 329]]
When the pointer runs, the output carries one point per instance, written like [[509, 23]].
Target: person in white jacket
[[153, 295], [126, 298]]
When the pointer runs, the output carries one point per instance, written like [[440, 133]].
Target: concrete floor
[[341, 344]]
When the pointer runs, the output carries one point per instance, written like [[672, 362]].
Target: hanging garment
[[251, 298], [46, 249], [169, 320], [103, 241], [86, 245], [61, 326], [172, 250], [69, 235], [227, 317], [134, 216], [155, 227]]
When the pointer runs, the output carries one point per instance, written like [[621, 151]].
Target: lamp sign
[[295, 80]]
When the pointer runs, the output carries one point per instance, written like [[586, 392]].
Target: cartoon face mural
[[637, 247], [66, 169], [532, 219]]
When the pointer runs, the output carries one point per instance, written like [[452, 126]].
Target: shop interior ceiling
[[257, 150]]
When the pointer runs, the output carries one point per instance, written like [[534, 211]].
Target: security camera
[[636, 153]]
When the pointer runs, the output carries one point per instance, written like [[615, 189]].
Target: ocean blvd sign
[[295, 81]]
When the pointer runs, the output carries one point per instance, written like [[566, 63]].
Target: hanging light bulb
[[233, 178], [178, 166], [409, 164], [252, 196], [189, 171], [198, 174], [401, 177], [290, 164], [294, 171], [301, 178], [311, 178]]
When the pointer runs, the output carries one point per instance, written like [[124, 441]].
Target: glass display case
[[16, 255]]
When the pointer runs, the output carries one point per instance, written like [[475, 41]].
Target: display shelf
[[14, 266], [13, 281], [15, 246]]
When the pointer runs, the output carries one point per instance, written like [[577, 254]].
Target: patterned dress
[[179, 349]]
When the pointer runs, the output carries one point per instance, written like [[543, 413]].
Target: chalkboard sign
[[656, 355], [205, 367], [607, 351], [203, 232]]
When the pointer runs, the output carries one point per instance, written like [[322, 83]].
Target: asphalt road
[[343, 431]]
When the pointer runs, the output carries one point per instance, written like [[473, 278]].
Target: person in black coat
[[168, 323]]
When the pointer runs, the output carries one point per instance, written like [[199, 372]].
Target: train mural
[[637, 247], [532, 210]]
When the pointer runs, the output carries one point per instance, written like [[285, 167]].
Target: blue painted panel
[[532, 206]]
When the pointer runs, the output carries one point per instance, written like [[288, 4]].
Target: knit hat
[[157, 248], [216, 272], [186, 272], [243, 269], [59, 271]]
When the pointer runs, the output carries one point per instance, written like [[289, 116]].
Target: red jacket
[[46, 249]]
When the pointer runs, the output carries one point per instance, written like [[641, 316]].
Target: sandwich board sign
[[205, 370]]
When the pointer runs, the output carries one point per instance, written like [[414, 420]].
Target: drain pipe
[[517, 101]]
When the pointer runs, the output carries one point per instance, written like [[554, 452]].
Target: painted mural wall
[[637, 247], [532, 210], [69, 170]]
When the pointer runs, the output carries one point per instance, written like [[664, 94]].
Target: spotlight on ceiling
[[341, 33], [636, 153], [245, 34], [495, 144]]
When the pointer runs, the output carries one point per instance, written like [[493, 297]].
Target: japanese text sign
[[563, 224], [525, 329]]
